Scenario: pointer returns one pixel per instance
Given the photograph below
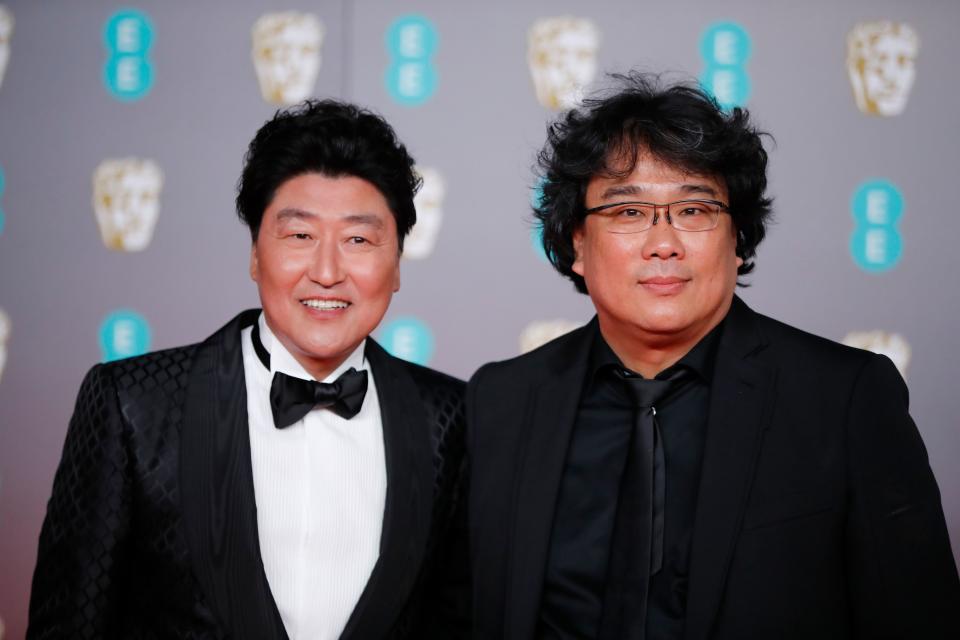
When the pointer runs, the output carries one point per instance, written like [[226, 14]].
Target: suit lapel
[[740, 404], [409, 500], [551, 412], [216, 489]]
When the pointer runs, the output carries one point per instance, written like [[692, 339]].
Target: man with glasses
[[683, 467]]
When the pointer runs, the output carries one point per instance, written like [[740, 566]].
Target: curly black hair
[[679, 124], [334, 139]]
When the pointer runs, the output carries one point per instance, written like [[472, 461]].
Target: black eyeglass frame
[[656, 211]]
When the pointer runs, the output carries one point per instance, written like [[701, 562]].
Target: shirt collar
[[281, 361], [700, 359]]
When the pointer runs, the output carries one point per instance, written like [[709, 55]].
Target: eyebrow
[[364, 218], [352, 218], [285, 214], [636, 190]]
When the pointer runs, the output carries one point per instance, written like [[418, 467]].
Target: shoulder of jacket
[[146, 371], [787, 338]]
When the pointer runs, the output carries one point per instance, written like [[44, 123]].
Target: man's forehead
[[370, 218], [640, 190], [632, 174], [625, 156]]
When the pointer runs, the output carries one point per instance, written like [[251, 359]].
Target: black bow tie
[[292, 398]]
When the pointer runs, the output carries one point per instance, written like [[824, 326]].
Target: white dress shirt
[[320, 486]]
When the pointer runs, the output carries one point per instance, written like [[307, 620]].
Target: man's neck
[[285, 358], [649, 354]]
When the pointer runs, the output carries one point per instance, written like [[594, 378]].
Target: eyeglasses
[[683, 215]]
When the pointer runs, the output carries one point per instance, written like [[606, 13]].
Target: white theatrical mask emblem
[[892, 345], [286, 55], [429, 204], [6, 32], [881, 61], [126, 200], [562, 54], [4, 339], [540, 332]]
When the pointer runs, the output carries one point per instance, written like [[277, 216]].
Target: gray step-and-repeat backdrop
[[122, 128]]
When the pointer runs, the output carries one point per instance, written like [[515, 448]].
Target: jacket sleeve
[[446, 615], [446, 611], [901, 572], [80, 565]]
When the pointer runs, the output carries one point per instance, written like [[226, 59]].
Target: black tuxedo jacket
[[817, 517], [151, 531]]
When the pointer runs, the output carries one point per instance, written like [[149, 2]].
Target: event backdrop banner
[[123, 128]]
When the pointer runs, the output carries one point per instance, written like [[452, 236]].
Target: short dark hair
[[681, 125], [334, 139]]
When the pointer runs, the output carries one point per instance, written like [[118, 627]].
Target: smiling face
[[662, 287], [326, 264]]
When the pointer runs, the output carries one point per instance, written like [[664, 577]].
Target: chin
[[328, 350], [660, 315], [664, 323]]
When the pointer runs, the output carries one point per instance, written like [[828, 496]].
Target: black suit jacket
[[817, 517], [151, 531]]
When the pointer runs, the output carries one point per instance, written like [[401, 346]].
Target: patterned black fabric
[[441, 604], [113, 561], [442, 397]]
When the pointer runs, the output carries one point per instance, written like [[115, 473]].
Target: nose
[[326, 266], [662, 240]]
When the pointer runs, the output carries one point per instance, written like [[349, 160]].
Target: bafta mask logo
[[540, 332], [4, 339], [286, 55], [126, 200], [892, 345], [562, 54], [429, 203], [881, 58], [6, 32]]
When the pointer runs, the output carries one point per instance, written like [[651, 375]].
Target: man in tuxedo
[[682, 466], [285, 478]]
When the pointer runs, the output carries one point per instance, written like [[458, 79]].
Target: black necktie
[[637, 547], [292, 398]]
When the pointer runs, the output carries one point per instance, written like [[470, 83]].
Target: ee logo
[[124, 334], [128, 72], [725, 48], [411, 77], [536, 233], [875, 244], [408, 338], [536, 239]]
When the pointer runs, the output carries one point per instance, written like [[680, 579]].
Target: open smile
[[325, 304]]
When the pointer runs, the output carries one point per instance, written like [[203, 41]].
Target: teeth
[[325, 305]]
